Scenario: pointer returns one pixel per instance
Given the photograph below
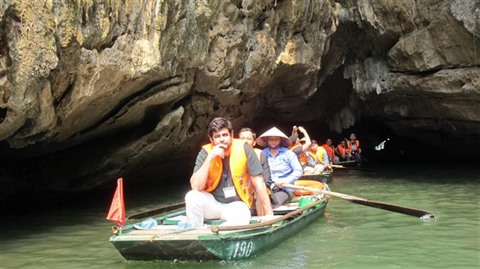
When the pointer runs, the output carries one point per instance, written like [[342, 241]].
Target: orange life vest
[[302, 157], [294, 145], [341, 150], [330, 152], [349, 145], [238, 168]]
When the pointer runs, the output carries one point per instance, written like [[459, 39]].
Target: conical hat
[[262, 142]]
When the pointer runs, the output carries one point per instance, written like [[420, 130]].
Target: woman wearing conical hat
[[284, 164]]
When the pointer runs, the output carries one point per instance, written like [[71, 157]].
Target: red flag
[[117, 208]]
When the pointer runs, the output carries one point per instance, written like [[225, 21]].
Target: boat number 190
[[242, 249]]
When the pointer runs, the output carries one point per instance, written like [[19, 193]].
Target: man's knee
[[237, 213], [194, 196]]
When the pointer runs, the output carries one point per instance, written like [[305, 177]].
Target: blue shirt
[[284, 167]]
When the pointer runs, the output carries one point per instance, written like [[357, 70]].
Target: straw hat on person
[[262, 142]]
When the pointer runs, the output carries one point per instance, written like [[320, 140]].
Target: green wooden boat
[[170, 241]]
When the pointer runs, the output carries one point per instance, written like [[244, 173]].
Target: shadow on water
[[61, 209], [33, 203]]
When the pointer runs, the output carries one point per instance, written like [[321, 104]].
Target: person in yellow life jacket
[[318, 158], [226, 174], [300, 147], [353, 145], [249, 136]]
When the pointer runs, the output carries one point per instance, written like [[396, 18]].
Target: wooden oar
[[362, 201], [337, 166], [156, 211]]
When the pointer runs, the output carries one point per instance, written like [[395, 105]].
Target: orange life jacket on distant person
[[239, 172], [296, 144], [302, 157], [341, 150], [357, 145], [330, 151]]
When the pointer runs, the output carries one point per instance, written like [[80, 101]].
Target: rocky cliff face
[[91, 90]]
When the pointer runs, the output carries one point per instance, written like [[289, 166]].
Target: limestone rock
[[93, 90]]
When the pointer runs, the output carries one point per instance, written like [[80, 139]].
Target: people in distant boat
[[284, 164], [330, 148], [300, 147], [353, 145], [226, 174], [249, 136], [342, 151]]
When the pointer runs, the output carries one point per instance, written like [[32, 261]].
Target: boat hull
[[202, 245]]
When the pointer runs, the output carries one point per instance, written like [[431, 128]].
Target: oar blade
[[362, 201], [395, 208]]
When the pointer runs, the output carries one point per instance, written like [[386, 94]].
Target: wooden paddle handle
[[305, 188], [337, 166]]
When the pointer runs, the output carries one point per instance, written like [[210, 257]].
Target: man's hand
[[294, 129], [218, 150], [277, 186]]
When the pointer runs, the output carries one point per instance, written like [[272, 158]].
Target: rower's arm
[[308, 141], [263, 204]]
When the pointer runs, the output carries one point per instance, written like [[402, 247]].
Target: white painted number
[[243, 249]]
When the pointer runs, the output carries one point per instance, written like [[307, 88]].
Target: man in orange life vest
[[226, 175]]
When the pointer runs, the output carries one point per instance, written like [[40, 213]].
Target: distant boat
[[350, 163], [321, 177], [165, 237]]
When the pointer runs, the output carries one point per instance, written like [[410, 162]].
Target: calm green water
[[351, 236]]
